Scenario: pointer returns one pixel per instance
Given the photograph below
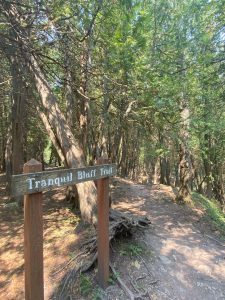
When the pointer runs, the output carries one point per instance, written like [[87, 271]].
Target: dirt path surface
[[60, 242], [178, 251], [177, 257]]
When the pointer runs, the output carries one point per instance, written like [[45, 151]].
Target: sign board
[[36, 182]]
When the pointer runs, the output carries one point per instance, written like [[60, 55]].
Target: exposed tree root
[[121, 224], [131, 295]]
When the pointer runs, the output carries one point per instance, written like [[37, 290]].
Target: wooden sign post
[[31, 184], [103, 229], [33, 239]]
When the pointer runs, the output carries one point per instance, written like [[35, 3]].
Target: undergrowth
[[131, 250], [88, 289], [213, 213]]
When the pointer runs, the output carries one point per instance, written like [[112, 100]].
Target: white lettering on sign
[[36, 182], [58, 181], [81, 175], [106, 171]]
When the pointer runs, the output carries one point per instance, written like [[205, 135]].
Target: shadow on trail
[[186, 263], [60, 240], [178, 260], [175, 254]]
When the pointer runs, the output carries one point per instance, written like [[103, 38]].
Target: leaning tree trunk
[[69, 146]]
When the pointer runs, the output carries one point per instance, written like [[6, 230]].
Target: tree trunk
[[85, 111], [156, 176], [208, 178], [184, 190], [177, 175], [208, 164], [70, 148], [18, 115], [185, 165], [104, 119], [218, 185], [164, 171], [8, 159]]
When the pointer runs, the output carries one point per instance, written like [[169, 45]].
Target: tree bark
[[8, 159], [164, 171], [218, 184], [70, 148], [185, 165], [156, 175], [18, 115]]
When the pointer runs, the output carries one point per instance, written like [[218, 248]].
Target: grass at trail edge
[[213, 213]]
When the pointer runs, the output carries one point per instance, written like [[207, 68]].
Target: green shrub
[[213, 213]]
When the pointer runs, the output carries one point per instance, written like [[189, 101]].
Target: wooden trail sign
[[31, 184], [24, 184]]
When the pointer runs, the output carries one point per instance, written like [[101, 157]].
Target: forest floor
[[179, 256]]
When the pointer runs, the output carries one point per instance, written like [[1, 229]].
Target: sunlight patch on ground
[[200, 260], [132, 207]]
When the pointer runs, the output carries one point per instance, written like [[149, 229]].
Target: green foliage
[[87, 288], [47, 152], [212, 211], [149, 53], [85, 285], [111, 279], [97, 294], [132, 250]]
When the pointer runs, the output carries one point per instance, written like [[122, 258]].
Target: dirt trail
[[175, 258], [186, 263]]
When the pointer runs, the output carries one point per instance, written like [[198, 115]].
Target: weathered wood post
[[32, 183], [33, 239], [103, 228]]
